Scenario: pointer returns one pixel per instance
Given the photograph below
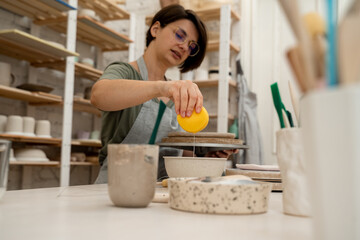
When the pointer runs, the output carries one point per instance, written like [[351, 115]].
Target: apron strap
[[142, 67]]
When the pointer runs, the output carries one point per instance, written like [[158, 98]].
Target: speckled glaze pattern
[[218, 198]]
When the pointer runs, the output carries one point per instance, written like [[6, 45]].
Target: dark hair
[[176, 12]]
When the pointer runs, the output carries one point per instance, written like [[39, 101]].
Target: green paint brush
[[277, 103]]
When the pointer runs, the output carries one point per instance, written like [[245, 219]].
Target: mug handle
[[12, 79]]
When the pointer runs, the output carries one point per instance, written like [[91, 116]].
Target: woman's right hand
[[186, 96]]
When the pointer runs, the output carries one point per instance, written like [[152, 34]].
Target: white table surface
[[86, 212]]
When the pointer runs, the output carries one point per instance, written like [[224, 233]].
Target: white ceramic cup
[[95, 135], [42, 128], [3, 120], [12, 156], [14, 125], [6, 78], [188, 75], [201, 74], [29, 126], [330, 120], [132, 173], [83, 135], [291, 160]]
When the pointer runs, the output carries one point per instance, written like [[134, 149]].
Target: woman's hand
[[186, 96], [221, 154]]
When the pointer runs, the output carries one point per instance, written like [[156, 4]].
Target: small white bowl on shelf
[[87, 61], [30, 155], [85, 12]]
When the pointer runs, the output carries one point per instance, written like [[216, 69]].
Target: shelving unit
[[36, 164], [207, 14], [215, 46], [92, 32], [37, 9], [50, 164], [107, 10], [41, 99], [41, 53], [81, 70], [84, 105], [26, 139], [215, 116], [23, 46], [48, 141], [30, 97], [213, 83]]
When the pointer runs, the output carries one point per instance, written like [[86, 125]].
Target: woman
[[129, 93]]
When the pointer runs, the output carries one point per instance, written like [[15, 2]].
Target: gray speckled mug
[[132, 174]]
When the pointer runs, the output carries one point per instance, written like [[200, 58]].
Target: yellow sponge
[[196, 122], [314, 24]]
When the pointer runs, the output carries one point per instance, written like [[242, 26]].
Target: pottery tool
[[316, 28], [306, 58], [162, 107], [348, 49], [295, 102], [294, 60], [286, 121], [331, 63], [288, 116], [196, 122], [277, 103]]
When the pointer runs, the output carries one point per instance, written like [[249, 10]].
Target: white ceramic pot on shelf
[[42, 128], [14, 125], [6, 77], [3, 120], [29, 126]]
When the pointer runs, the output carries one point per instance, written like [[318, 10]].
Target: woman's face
[[177, 41]]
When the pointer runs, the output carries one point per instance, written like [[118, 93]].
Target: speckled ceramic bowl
[[194, 166], [223, 195]]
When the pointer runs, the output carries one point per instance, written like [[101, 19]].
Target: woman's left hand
[[221, 154]]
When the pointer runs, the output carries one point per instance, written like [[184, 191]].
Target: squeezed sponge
[[196, 122]]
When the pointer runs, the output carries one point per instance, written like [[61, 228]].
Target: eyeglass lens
[[181, 36]]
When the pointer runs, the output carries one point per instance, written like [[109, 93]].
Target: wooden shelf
[[230, 116], [205, 14], [91, 32], [27, 96], [212, 83], [86, 143], [37, 9], [214, 46], [84, 164], [36, 164], [47, 141], [24, 46], [208, 14], [81, 70], [26, 139], [41, 98], [84, 105], [50, 163], [105, 9]]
